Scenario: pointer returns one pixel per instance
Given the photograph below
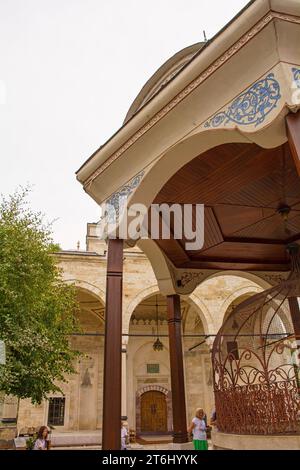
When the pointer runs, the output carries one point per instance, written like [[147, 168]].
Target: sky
[[69, 71]]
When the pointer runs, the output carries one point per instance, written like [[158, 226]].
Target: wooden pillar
[[124, 382], [111, 427], [295, 315], [293, 132], [177, 374]]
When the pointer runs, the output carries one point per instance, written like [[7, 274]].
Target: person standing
[[124, 435], [198, 429], [213, 419], [41, 442]]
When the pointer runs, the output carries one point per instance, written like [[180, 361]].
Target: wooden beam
[[295, 315], [293, 133], [261, 241], [224, 264], [111, 428], [177, 373]]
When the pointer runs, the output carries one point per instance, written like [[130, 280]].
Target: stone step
[[74, 439]]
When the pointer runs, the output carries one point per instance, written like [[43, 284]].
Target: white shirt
[[124, 434], [40, 444], [199, 433]]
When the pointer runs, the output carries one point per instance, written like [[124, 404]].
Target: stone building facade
[[146, 384]]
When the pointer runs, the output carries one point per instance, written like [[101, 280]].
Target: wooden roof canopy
[[252, 207], [218, 124]]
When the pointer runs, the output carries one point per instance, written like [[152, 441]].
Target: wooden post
[[295, 315], [177, 375], [293, 132], [124, 382], [111, 428]]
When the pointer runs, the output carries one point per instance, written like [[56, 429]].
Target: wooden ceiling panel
[[243, 187], [213, 235], [232, 219], [273, 228], [238, 251]]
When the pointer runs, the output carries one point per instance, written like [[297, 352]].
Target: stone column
[[111, 428], [177, 374]]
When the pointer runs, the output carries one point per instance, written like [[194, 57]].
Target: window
[[56, 414], [152, 368]]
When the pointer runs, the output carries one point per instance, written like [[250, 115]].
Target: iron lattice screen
[[56, 414]]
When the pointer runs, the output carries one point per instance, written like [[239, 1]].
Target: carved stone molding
[[157, 388], [188, 277], [151, 388], [186, 281]]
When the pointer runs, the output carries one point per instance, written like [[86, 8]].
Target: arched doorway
[[153, 412]]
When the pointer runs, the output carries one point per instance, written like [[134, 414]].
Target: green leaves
[[37, 309]]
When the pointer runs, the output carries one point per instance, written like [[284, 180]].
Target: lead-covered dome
[[162, 77]]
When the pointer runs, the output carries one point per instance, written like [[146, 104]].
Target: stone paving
[[158, 446]]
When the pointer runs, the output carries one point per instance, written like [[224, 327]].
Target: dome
[[162, 77]]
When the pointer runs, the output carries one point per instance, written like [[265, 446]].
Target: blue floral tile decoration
[[118, 199], [252, 106], [296, 75]]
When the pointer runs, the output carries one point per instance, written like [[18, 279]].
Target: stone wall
[[207, 307]]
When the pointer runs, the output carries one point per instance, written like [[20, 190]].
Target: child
[[124, 434]]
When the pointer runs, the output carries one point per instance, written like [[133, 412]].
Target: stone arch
[[142, 295], [255, 278], [149, 388], [84, 390], [203, 313], [192, 300], [88, 287], [257, 284], [235, 295], [149, 342], [283, 313]]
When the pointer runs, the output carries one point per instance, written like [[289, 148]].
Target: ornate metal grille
[[56, 414], [256, 365]]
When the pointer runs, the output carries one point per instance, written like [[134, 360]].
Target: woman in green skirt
[[198, 429]]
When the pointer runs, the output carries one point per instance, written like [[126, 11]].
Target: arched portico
[[79, 407], [88, 287]]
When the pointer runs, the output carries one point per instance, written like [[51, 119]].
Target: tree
[[37, 309]]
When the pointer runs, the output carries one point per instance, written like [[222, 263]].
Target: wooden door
[[153, 412]]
